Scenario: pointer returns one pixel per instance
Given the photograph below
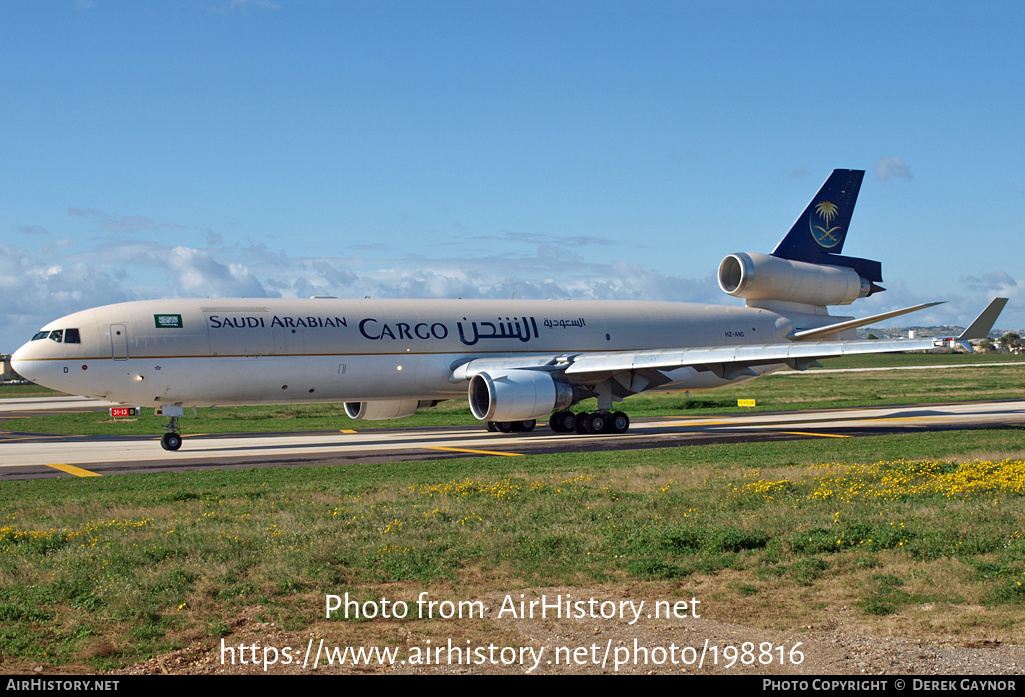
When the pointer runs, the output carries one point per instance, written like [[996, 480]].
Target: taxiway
[[28, 456]]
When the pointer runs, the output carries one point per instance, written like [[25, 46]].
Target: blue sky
[[480, 149]]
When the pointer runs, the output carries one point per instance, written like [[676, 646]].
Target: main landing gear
[[596, 423], [601, 421]]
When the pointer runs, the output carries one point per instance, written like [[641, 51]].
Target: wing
[[638, 370], [733, 361], [727, 361]]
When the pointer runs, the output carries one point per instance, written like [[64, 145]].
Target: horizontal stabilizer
[[983, 324], [819, 332]]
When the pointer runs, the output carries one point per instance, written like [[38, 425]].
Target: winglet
[[983, 324]]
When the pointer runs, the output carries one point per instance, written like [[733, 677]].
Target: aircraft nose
[[20, 362]]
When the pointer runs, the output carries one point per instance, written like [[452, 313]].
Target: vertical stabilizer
[[819, 233], [822, 226]]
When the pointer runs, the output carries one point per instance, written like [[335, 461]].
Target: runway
[[29, 405], [29, 457]]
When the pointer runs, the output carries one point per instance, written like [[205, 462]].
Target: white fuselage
[[269, 351]]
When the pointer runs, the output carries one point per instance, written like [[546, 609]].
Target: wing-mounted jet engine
[[385, 409]]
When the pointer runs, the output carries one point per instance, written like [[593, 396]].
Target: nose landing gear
[[172, 440]]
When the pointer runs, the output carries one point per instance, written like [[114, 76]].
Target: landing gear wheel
[[620, 422], [528, 425], [492, 427], [563, 422], [507, 426], [598, 422], [580, 426], [170, 441]]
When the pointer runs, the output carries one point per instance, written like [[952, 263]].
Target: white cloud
[[198, 274], [890, 167], [35, 290], [1000, 284], [64, 277], [960, 306]]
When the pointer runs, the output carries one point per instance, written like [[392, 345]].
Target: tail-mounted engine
[[806, 267], [756, 277]]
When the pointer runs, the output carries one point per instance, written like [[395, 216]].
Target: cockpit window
[[67, 336]]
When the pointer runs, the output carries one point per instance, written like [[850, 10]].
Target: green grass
[[100, 572], [29, 390], [886, 360]]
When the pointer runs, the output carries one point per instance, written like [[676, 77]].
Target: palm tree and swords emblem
[[826, 236]]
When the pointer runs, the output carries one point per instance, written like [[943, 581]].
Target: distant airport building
[[8, 373]]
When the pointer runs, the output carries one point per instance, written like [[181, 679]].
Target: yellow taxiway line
[[476, 452], [699, 423], [818, 435], [77, 471]]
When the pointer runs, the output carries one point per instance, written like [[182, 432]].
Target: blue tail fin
[[819, 233]]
